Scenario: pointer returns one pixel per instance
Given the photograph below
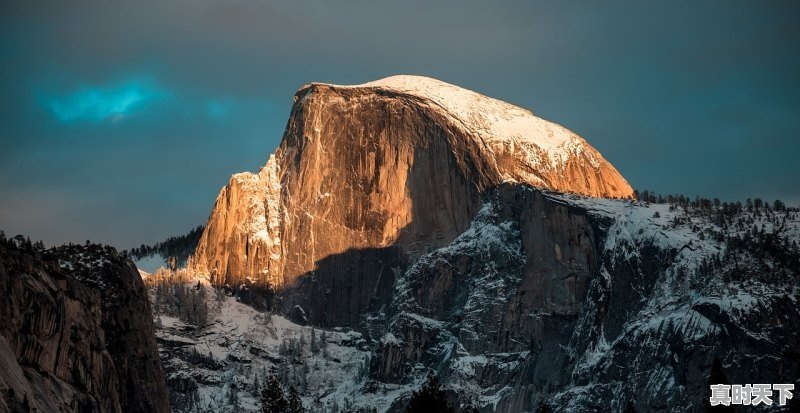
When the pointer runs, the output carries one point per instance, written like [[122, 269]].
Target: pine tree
[[470, 409], [430, 398], [717, 376], [793, 405], [365, 367], [283, 371], [304, 377], [543, 407], [302, 344], [295, 405], [313, 341], [233, 399], [272, 398], [323, 344], [256, 385], [159, 297]]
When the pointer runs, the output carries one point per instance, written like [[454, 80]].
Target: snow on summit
[[493, 120]]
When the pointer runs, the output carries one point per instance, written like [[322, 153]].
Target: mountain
[[75, 332], [391, 168], [422, 227]]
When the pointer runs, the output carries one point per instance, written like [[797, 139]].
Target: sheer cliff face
[[401, 163], [76, 333]]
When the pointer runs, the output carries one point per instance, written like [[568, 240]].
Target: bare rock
[[76, 333]]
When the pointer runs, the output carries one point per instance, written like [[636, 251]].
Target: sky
[[120, 121]]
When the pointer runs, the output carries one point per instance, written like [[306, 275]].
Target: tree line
[[701, 203], [174, 295], [180, 247]]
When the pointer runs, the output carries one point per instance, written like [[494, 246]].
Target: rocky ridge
[[75, 332]]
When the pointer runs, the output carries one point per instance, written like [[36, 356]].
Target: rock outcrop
[[390, 168], [76, 332]]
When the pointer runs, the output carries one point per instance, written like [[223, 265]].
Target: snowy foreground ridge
[[675, 288], [240, 346]]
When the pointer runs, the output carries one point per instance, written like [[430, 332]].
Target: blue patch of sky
[[101, 103]]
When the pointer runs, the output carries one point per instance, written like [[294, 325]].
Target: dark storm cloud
[[120, 120]]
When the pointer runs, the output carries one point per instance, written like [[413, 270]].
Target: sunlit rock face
[[391, 168], [76, 333]]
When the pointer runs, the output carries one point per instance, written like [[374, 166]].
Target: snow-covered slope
[[576, 303], [680, 288], [221, 365]]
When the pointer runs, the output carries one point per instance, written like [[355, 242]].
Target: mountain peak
[[493, 119], [496, 118], [531, 146]]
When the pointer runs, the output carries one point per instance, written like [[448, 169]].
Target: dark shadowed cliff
[[76, 332]]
